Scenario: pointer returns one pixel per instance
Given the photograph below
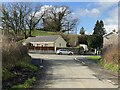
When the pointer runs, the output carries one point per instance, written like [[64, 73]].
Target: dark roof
[[51, 38], [110, 34]]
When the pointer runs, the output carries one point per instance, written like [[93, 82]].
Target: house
[[110, 39], [46, 42], [85, 47]]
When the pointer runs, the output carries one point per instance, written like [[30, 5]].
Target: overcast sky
[[89, 12]]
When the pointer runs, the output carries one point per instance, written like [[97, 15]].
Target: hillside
[[72, 39], [42, 33]]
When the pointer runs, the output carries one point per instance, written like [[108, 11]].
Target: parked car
[[64, 51]]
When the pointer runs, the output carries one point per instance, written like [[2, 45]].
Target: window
[[46, 44], [38, 44]]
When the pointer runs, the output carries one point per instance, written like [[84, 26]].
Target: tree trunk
[[30, 33]]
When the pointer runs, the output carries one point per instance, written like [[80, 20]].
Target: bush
[[6, 74], [110, 54], [94, 41], [12, 53], [110, 57], [26, 84], [82, 39], [28, 66]]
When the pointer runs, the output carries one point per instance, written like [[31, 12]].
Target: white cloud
[[87, 12], [96, 11], [112, 21], [111, 27], [107, 0], [88, 33], [103, 6]]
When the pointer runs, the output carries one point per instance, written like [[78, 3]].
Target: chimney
[[114, 30]]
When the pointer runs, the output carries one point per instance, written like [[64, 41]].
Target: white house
[[84, 46], [110, 39], [52, 41]]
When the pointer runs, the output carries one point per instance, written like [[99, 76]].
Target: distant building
[[85, 47], [46, 42], [110, 39]]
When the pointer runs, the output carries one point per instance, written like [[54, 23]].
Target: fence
[[50, 50], [42, 51], [73, 49], [41, 48]]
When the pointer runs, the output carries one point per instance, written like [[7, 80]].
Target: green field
[[96, 57], [42, 33]]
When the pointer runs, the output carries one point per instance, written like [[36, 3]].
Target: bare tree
[[20, 17], [69, 25], [56, 19], [33, 19], [13, 17]]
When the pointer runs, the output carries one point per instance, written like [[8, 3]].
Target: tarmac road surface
[[62, 71]]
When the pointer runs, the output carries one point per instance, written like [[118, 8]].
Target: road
[[64, 72]]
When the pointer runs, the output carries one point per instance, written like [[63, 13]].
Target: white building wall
[[60, 42], [110, 40]]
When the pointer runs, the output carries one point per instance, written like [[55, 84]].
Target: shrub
[[28, 66], [110, 54], [82, 39], [94, 41], [27, 83], [12, 53], [6, 74]]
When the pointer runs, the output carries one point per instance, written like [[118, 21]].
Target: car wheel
[[70, 53], [60, 53]]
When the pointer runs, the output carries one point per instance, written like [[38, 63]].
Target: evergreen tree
[[99, 31], [102, 29], [99, 28], [94, 41], [82, 31]]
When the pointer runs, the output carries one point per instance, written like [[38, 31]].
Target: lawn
[[26, 84], [42, 33], [99, 61], [95, 57]]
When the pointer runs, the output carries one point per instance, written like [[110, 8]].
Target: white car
[[64, 51]]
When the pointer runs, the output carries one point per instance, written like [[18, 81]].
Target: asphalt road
[[64, 72]]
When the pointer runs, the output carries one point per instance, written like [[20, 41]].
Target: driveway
[[62, 71]]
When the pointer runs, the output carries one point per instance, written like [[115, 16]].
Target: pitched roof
[[51, 38], [110, 34]]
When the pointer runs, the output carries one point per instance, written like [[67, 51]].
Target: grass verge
[[109, 66], [95, 58], [26, 84], [99, 61], [6, 74], [28, 66]]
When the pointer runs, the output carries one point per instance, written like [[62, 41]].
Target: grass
[[110, 66], [28, 65], [18, 70], [14, 54], [42, 33], [21, 41], [99, 61], [6, 74], [26, 84], [95, 58]]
